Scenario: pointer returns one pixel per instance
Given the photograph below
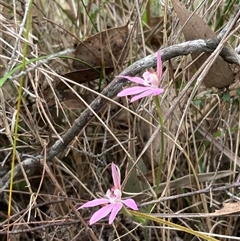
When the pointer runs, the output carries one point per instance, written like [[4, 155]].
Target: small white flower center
[[114, 195], [150, 79]]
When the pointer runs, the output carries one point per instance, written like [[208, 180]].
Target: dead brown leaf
[[82, 76], [102, 49], [220, 75], [71, 101], [228, 208]]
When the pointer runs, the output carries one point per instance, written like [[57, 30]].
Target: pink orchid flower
[[113, 200], [149, 83]]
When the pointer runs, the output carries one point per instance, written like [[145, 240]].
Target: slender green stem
[[159, 171]]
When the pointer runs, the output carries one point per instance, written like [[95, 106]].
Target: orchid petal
[[137, 80], [101, 213], [115, 211], [147, 92], [159, 66], [157, 91], [94, 203], [132, 91], [116, 176], [130, 203]]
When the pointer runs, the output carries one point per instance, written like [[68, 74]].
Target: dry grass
[[201, 136]]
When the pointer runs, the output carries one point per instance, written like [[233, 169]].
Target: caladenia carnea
[[148, 85], [112, 202]]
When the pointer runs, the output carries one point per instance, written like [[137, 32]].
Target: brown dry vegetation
[[64, 150]]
